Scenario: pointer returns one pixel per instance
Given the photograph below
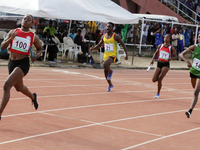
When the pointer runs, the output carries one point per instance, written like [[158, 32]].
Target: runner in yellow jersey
[[110, 40]]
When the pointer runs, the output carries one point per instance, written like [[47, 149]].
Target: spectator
[[79, 40], [52, 30], [92, 29], [181, 43], [158, 38], [198, 10], [175, 40], [72, 34], [150, 36], [52, 49], [145, 29]]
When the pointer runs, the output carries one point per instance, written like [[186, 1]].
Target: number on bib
[[109, 47], [196, 64], [164, 55], [21, 44]]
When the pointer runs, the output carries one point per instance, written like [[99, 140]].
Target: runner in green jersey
[[194, 72]]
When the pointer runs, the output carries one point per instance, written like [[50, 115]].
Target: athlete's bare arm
[[181, 55], [10, 36], [38, 47], [98, 45], [174, 54], [155, 54], [118, 39]]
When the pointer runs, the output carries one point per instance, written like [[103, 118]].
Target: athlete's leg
[[193, 82], [16, 75], [163, 72], [107, 64], [196, 94], [107, 70], [20, 87], [156, 74], [106, 75]]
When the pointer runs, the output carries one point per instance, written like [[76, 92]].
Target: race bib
[[164, 55], [196, 64], [21, 44], [109, 47]]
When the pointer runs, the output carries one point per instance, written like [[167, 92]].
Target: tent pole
[[70, 26], [141, 37]]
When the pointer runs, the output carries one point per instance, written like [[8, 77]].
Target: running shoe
[[34, 101], [109, 88], [109, 75], [157, 95], [188, 114]]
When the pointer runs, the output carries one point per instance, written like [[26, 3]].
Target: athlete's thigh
[[15, 77], [156, 74], [193, 82], [163, 72], [108, 61], [197, 87]]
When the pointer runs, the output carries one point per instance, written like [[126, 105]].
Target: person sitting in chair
[[79, 40]]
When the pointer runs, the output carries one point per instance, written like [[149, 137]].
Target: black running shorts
[[163, 64], [23, 64]]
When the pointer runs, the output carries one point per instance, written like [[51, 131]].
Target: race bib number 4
[[21, 44], [109, 47], [196, 64], [164, 55]]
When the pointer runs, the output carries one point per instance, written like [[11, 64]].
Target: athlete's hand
[[189, 64], [34, 58], [126, 58], [91, 48], [152, 62]]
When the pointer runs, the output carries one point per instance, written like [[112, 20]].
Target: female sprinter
[[20, 40], [164, 56], [194, 72]]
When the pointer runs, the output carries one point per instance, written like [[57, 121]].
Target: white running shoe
[[157, 95]]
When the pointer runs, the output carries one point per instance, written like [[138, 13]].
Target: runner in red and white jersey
[[164, 56], [20, 41]]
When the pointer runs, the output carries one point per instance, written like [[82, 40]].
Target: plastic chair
[[120, 52], [3, 34], [73, 48]]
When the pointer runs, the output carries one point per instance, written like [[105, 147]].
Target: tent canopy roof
[[88, 10]]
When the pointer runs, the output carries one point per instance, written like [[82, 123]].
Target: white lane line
[[89, 106], [70, 72], [43, 134], [58, 131], [164, 137], [101, 124]]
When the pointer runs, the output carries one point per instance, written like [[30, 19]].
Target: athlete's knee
[[154, 80], [196, 92], [6, 86], [19, 88]]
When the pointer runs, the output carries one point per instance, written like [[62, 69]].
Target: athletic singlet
[[195, 69], [22, 42], [164, 53], [110, 46]]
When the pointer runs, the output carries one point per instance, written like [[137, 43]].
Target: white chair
[[73, 48], [59, 45], [3, 34], [83, 32], [120, 53]]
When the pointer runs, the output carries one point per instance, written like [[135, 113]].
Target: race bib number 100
[[164, 55], [109, 47], [21, 44], [196, 64]]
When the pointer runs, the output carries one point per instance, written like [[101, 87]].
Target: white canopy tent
[[88, 10]]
